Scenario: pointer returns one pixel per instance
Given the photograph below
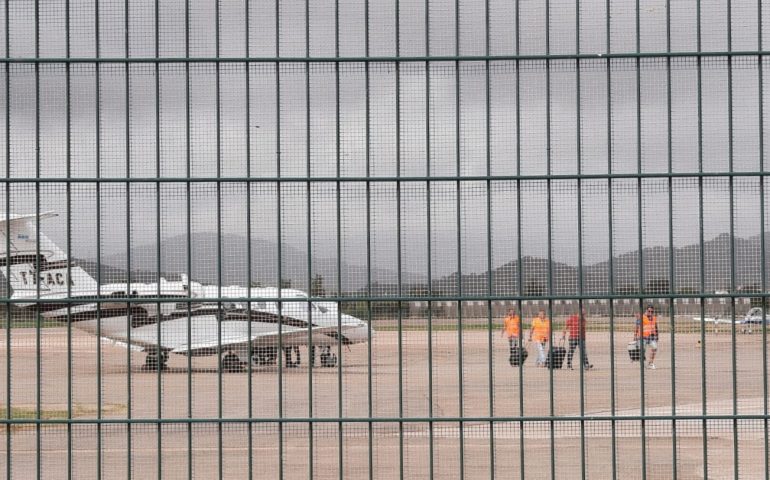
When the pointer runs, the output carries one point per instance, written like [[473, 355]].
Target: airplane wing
[[206, 333], [717, 320]]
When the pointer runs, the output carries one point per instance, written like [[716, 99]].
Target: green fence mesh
[[312, 239]]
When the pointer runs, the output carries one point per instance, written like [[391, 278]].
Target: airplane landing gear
[[231, 363], [311, 354], [328, 359], [288, 353], [265, 355], [155, 361]]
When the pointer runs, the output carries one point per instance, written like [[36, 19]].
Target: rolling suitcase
[[634, 352], [555, 357], [518, 356]]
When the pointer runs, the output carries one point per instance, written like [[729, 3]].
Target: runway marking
[[623, 428]]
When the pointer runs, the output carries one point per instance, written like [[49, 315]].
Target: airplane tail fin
[[37, 267]]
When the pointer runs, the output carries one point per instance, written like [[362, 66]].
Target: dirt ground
[[434, 378]]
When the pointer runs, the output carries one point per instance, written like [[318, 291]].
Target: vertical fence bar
[[98, 114], [549, 223], [159, 312], [581, 305], [733, 263], [68, 202], [762, 240], [640, 232], [8, 312], [338, 219], [188, 232], [370, 405], [700, 243], [671, 245], [610, 256], [370, 408], [309, 220], [38, 317], [398, 245], [430, 253], [279, 225], [487, 147], [519, 273], [220, 310], [249, 330], [458, 206], [128, 241]]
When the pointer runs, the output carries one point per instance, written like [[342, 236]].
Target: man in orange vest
[[540, 332], [647, 331], [512, 329]]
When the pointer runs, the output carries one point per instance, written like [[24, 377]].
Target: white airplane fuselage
[[168, 317]]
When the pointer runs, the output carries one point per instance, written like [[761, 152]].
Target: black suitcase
[[634, 352], [555, 357], [518, 356]]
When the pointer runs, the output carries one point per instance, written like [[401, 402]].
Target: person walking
[[540, 331], [512, 329], [647, 331], [576, 328]]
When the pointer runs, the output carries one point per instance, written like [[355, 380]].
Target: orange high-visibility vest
[[648, 325], [541, 329], [513, 326]]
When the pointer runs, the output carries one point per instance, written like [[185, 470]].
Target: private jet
[[252, 328]]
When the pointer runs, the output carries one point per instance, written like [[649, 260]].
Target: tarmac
[[400, 381]]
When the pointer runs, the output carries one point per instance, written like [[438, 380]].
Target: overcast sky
[[415, 126]]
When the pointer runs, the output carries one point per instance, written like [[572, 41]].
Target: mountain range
[[504, 279]]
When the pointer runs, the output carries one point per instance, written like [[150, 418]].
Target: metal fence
[[280, 239]]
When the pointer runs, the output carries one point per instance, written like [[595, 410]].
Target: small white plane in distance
[[753, 317], [39, 271]]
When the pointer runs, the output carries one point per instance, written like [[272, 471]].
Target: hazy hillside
[[234, 267], [655, 266], [504, 279]]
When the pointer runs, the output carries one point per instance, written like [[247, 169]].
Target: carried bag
[[634, 352], [518, 356], [555, 357]]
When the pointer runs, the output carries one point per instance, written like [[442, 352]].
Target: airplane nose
[[359, 332]]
